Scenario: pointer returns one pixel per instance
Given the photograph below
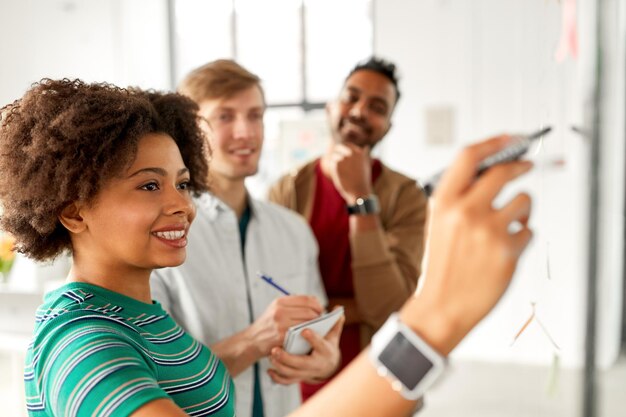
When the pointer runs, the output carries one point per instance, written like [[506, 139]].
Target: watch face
[[404, 361]]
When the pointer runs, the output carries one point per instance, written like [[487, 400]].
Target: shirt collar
[[213, 205]]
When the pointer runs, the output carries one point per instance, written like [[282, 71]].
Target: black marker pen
[[519, 146]]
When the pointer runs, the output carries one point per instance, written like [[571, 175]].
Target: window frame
[[305, 104]]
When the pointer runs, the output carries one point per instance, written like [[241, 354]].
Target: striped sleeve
[[91, 366]]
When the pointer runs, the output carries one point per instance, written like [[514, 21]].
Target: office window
[[301, 49], [202, 29], [338, 34], [269, 43]]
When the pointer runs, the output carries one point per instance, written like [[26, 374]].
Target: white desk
[[13, 352], [17, 319]]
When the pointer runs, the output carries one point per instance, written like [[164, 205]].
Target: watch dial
[[405, 361]]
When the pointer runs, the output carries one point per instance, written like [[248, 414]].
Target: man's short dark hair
[[381, 66]]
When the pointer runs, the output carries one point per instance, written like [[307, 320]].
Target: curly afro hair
[[64, 139]]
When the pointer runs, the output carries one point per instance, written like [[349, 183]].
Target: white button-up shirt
[[210, 294]]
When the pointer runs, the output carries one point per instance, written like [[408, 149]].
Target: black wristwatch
[[400, 355], [365, 205]]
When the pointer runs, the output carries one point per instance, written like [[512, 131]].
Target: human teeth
[[171, 235], [243, 151]]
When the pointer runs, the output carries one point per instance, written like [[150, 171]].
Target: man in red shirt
[[368, 219]]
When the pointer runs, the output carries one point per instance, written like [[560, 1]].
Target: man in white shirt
[[216, 295]]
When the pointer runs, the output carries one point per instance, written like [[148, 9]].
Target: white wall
[[612, 175], [492, 62], [118, 41], [123, 42]]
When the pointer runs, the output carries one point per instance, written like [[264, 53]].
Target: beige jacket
[[385, 262]]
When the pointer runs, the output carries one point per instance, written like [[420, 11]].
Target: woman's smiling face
[[140, 219]]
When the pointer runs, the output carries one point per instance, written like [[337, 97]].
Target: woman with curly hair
[[106, 174]]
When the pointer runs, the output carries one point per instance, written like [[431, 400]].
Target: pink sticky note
[[568, 42]]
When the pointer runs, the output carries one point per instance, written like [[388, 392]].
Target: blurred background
[[469, 69]]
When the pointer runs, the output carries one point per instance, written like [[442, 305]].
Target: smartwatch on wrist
[[365, 205], [401, 356]]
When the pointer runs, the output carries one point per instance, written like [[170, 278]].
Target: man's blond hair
[[218, 79]]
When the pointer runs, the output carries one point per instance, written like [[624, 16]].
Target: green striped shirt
[[99, 353]]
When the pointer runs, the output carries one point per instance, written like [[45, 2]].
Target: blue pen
[[270, 281]]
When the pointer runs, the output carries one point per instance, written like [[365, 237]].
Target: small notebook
[[297, 345]]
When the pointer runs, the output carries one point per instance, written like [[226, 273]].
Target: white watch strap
[[399, 354]]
